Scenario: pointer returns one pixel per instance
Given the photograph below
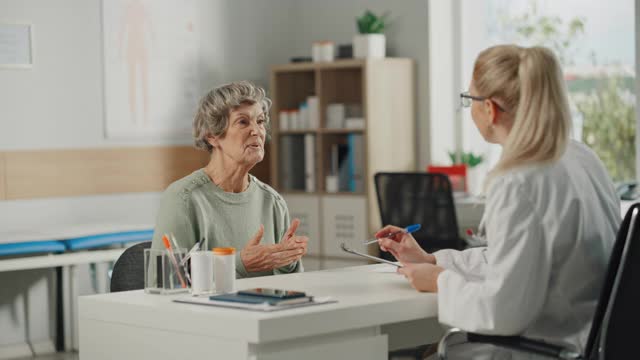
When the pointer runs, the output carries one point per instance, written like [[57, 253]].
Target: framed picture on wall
[[151, 68], [16, 51]]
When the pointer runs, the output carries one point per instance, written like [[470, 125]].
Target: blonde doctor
[[551, 213]]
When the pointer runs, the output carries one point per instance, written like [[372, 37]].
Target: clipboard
[[345, 248]]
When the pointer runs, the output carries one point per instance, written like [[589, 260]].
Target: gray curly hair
[[215, 108]]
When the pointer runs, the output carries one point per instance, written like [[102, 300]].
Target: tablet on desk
[[344, 247], [272, 293]]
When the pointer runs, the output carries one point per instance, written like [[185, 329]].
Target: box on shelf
[[354, 123], [335, 116]]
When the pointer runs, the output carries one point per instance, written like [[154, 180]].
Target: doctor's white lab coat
[[549, 230]]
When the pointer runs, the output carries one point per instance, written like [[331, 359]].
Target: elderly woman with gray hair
[[222, 203]]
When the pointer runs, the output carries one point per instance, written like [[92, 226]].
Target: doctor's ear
[[491, 110]]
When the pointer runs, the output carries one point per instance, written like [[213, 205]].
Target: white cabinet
[[344, 220], [469, 212], [307, 209]]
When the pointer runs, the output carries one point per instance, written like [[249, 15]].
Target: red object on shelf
[[457, 175]]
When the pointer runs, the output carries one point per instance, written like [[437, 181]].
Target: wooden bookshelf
[[385, 91], [341, 131]]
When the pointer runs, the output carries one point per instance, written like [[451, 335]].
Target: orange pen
[[167, 244]]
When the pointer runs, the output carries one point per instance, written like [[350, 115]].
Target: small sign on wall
[[15, 46]]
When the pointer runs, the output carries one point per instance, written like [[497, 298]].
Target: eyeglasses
[[466, 99]]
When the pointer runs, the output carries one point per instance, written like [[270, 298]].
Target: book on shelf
[[292, 169], [356, 162], [298, 162], [347, 162], [342, 156], [310, 162], [313, 107]]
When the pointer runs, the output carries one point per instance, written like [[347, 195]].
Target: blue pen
[[409, 229]]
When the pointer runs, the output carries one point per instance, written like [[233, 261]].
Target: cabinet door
[[307, 209], [312, 263], [344, 219], [469, 213]]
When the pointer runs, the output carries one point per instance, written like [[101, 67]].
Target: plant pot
[[475, 180], [370, 46]]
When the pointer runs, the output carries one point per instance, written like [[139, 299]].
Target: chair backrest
[[420, 198], [618, 307], [128, 271]]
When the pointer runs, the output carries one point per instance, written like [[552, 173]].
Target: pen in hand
[[409, 229]]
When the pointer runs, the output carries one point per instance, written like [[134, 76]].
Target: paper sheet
[[253, 307], [384, 268]]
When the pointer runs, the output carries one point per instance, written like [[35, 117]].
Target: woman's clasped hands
[[258, 257]]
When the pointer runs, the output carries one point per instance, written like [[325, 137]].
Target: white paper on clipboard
[[345, 248]]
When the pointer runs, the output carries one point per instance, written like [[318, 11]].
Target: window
[[596, 45]]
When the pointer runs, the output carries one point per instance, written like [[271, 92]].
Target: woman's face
[[244, 138]]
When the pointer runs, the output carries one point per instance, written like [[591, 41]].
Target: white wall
[[58, 103]]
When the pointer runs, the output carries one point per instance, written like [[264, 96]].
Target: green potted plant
[[467, 158], [370, 42]]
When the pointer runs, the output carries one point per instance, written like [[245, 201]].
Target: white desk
[[376, 312]]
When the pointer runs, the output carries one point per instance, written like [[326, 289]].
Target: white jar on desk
[[224, 269]]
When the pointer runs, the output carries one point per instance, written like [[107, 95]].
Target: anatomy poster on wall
[[150, 67]]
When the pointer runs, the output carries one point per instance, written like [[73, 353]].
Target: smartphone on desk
[[272, 293]]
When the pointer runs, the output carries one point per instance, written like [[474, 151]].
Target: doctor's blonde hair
[[528, 84]]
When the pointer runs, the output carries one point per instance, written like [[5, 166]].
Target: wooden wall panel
[[74, 172], [2, 177], [50, 173]]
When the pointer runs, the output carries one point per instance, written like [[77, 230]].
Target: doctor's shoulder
[[520, 182]]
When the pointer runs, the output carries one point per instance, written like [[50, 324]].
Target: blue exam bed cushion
[[31, 247], [94, 241]]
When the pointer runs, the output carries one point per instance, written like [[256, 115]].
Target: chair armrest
[[511, 342]]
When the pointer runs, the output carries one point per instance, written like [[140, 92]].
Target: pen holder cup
[[164, 273]]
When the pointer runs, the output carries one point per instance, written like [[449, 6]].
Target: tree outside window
[[602, 95]]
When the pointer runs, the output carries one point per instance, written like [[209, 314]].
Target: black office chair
[[618, 309], [128, 271], [420, 198]]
